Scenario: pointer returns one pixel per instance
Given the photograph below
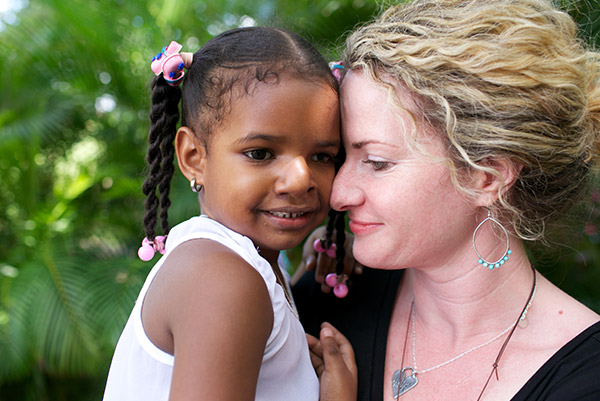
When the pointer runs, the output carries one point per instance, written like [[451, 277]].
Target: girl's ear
[[492, 185], [191, 154]]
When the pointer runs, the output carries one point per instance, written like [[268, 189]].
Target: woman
[[468, 127]]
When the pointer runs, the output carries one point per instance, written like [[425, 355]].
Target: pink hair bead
[[148, 248], [340, 290], [331, 279], [338, 283], [318, 246], [146, 252]]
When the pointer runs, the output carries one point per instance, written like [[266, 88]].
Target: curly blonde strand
[[502, 79]]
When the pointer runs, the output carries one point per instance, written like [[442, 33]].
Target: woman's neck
[[468, 300]]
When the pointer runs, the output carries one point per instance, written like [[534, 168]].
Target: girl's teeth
[[287, 215]]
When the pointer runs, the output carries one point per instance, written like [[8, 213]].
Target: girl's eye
[[378, 165], [323, 158], [259, 154]]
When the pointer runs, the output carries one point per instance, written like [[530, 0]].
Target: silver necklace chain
[[417, 371], [404, 379]]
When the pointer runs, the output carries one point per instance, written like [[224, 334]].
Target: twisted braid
[[340, 239], [336, 224], [329, 227], [164, 115]]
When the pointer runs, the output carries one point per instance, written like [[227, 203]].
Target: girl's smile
[[267, 171]]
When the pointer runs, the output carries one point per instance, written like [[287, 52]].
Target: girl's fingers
[[336, 350], [325, 265], [314, 344], [316, 354], [310, 262], [309, 255]]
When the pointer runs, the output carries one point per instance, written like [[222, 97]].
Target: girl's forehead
[[291, 108]]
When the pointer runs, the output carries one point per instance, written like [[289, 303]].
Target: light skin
[[267, 174], [406, 214]]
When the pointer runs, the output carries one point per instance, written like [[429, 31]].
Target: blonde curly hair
[[499, 79]]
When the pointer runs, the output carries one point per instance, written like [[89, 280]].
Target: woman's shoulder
[[570, 374], [561, 316], [565, 339]]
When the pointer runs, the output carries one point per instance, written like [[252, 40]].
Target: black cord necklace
[[406, 378]]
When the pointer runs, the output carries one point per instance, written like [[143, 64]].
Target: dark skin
[[204, 286], [207, 306], [197, 274], [333, 359], [323, 264]]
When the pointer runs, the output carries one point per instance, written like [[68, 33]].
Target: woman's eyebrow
[[360, 144]]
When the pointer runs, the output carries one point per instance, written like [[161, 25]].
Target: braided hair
[[226, 67]]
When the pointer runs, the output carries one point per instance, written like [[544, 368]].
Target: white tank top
[[141, 371]]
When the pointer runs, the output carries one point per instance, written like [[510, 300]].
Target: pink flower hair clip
[[148, 248], [337, 69], [336, 281], [171, 63]]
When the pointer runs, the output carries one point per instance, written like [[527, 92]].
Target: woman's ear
[[191, 154], [500, 175]]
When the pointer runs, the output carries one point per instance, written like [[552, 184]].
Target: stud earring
[[195, 187], [482, 261]]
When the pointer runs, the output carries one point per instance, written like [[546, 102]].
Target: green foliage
[[73, 127]]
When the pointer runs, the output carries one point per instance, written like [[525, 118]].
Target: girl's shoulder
[[203, 227], [204, 284], [202, 272]]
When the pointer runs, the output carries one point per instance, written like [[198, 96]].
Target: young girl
[[258, 137]]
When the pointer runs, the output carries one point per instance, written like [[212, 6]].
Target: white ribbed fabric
[[141, 371]]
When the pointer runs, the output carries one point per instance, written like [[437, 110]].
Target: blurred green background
[[73, 126]]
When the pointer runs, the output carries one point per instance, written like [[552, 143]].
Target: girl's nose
[[295, 177], [345, 194]]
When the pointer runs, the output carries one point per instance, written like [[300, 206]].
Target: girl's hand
[[332, 357], [323, 264]]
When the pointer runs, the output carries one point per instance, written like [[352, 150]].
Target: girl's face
[[404, 210], [267, 172]]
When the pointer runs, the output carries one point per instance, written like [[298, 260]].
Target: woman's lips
[[361, 227]]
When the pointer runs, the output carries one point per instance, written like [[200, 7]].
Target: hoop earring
[[504, 258], [195, 187]]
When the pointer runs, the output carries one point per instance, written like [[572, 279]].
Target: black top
[[573, 373]]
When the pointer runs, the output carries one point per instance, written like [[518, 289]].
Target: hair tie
[[171, 63], [148, 248], [337, 69]]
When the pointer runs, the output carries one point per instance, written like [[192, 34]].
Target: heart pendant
[[401, 383]]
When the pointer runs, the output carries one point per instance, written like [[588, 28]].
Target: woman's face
[[403, 209]]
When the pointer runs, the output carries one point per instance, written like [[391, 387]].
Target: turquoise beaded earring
[[482, 261]]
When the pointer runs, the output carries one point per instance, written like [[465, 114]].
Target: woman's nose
[[295, 177], [345, 194]]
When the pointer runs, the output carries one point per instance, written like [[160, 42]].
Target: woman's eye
[[323, 158], [378, 165], [259, 154]]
